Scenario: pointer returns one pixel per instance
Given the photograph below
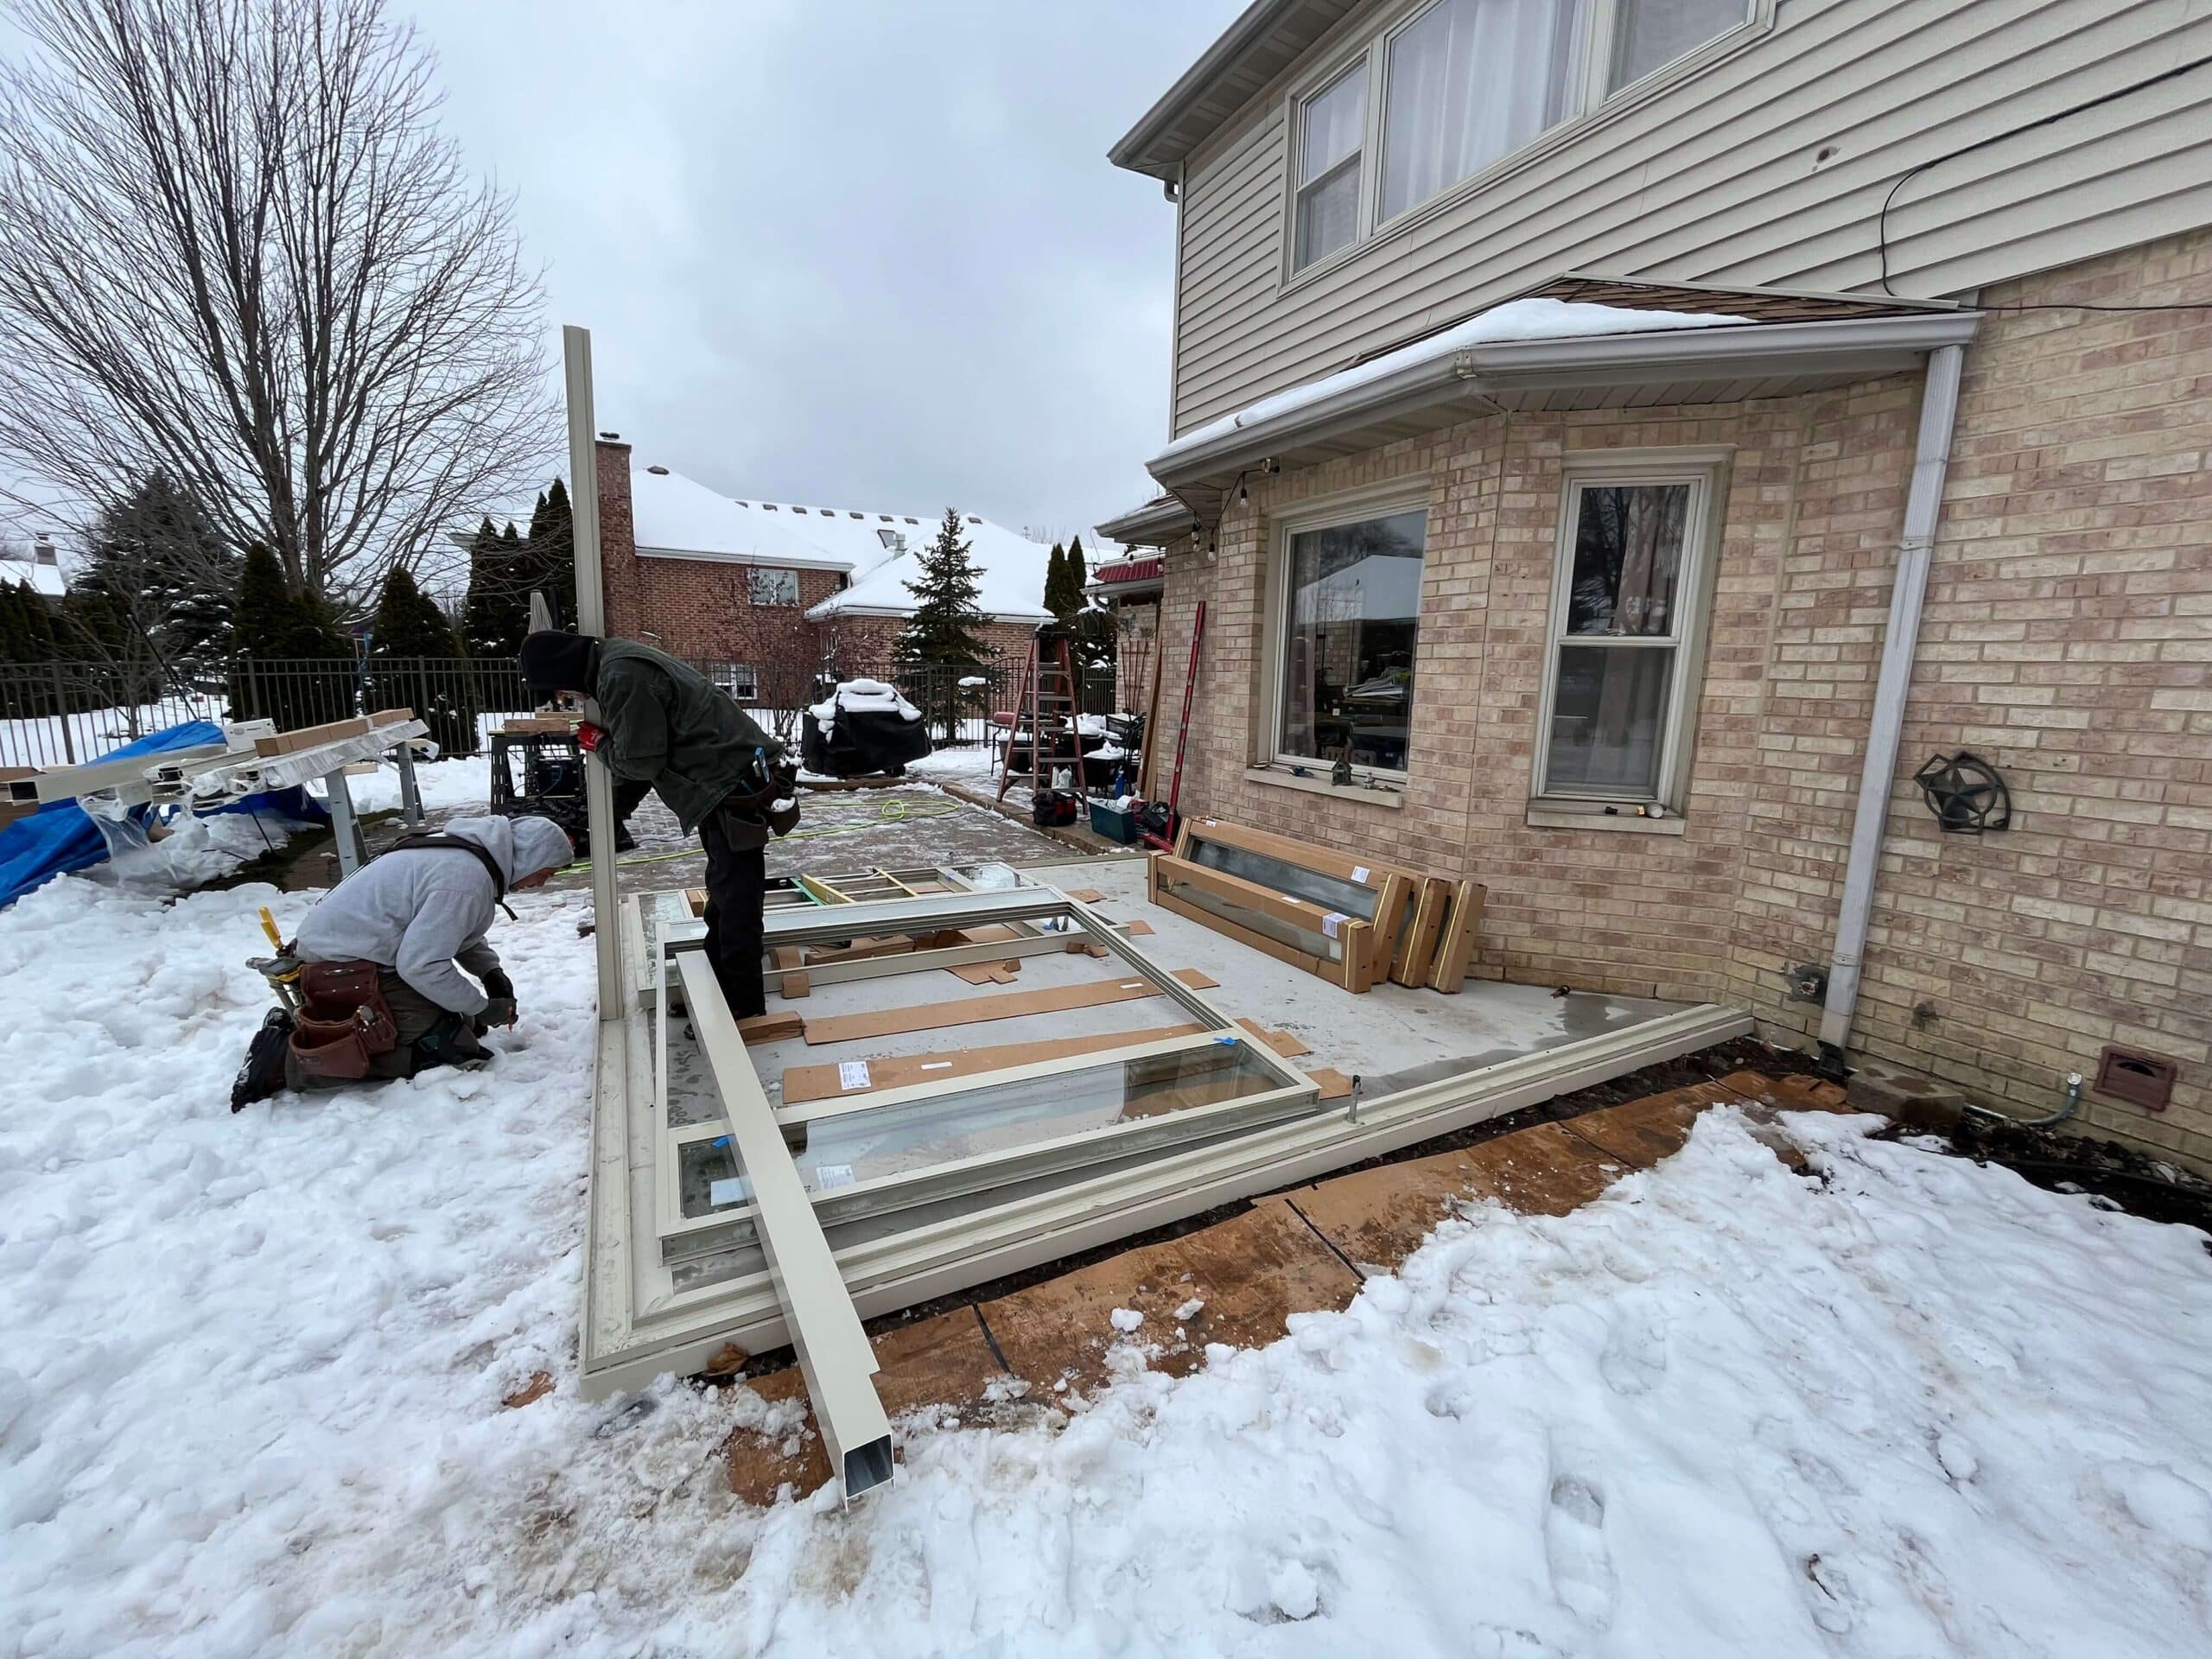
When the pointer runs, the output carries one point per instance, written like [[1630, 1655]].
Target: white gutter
[[1730, 352], [1939, 408]]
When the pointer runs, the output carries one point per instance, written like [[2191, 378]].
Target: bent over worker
[[661, 723], [380, 989]]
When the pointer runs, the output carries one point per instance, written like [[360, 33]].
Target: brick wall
[[2067, 634]]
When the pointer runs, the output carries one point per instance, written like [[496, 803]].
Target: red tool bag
[[343, 1021]]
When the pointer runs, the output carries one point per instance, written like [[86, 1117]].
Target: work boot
[[450, 1042], [262, 1074]]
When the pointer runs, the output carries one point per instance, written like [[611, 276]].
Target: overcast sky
[[841, 254]]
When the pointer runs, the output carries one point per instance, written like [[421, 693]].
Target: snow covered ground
[[251, 1371]]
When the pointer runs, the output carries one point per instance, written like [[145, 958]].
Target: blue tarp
[[60, 837]]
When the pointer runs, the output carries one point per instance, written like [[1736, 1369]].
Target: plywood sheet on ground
[[1248, 1274], [1643, 1132]]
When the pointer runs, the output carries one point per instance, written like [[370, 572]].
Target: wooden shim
[[1418, 953], [1282, 1042], [1455, 951], [1139, 929], [307, 737], [771, 1028], [803, 1083], [1335, 1085], [792, 980], [1056, 999], [696, 898]]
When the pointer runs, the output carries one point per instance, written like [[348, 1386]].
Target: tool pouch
[[344, 1022]]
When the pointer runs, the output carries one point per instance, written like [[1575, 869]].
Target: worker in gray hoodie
[[396, 936]]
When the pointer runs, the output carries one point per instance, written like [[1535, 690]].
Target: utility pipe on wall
[[1939, 408]]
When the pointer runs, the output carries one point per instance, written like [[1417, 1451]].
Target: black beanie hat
[[552, 661]]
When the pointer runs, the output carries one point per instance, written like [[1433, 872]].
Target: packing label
[[729, 1191], [829, 1175], [1331, 922], [1359, 871], [852, 1074]]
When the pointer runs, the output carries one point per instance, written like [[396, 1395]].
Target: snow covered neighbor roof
[[673, 516], [42, 576], [1011, 568]]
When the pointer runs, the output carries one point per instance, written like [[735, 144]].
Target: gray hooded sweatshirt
[[425, 912]]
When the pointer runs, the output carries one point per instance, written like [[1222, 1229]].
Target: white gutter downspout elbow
[[1939, 408]]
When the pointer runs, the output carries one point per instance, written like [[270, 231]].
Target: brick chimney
[[618, 540]]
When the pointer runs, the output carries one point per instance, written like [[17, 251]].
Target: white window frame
[[1358, 158], [754, 572], [1706, 471], [1348, 507], [1587, 102]]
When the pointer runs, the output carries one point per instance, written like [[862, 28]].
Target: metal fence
[[66, 714]]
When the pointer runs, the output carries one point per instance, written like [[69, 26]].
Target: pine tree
[[1077, 575], [553, 554], [1056, 578], [26, 625], [411, 665], [941, 636], [284, 638], [495, 614]]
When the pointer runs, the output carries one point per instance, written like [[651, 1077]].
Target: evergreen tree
[[26, 625], [1056, 579], [285, 638], [942, 634], [157, 553], [553, 554], [495, 613], [411, 665], [1077, 575]]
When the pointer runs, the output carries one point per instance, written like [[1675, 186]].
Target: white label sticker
[[1359, 871], [1331, 922], [829, 1175], [852, 1074], [729, 1191]]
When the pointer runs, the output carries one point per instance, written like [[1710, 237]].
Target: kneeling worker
[[380, 989], [716, 770]]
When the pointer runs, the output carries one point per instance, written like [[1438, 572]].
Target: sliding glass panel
[[1608, 719], [1263, 870], [1471, 80], [1649, 33], [1628, 559], [1350, 620], [866, 1146]]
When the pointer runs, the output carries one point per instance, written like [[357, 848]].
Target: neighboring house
[[710, 576], [39, 568], [1131, 589], [1622, 324]]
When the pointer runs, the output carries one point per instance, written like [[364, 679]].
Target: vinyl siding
[[1712, 179]]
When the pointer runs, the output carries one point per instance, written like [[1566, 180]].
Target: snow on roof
[[1516, 319], [42, 578], [673, 516], [1010, 568]]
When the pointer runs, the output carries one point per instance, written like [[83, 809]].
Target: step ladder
[[1043, 735]]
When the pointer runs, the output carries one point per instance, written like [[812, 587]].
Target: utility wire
[[1882, 223]]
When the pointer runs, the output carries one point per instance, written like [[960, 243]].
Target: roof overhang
[[1266, 38], [762, 560], [1154, 524], [1620, 371]]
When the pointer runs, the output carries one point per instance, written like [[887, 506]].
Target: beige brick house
[[773, 589], [1550, 384]]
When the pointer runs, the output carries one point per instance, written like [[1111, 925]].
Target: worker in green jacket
[[659, 723]]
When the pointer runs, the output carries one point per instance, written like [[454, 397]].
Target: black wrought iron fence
[[62, 714]]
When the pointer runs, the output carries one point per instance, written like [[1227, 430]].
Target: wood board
[[1455, 950]]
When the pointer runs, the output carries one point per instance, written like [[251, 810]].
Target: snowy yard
[[250, 1373]]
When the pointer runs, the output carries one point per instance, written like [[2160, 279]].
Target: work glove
[[497, 984], [500, 1011], [588, 736]]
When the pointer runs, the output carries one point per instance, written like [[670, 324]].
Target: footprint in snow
[[1574, 1544]]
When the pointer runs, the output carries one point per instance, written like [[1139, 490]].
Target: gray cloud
[[843, 254]]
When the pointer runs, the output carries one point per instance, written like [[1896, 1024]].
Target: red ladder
[[1182, 736], [1045, 710]]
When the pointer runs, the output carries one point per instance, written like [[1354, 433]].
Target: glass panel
[[708, 1178], [1653, 32], [1471, 80], [1350, 620], [1328, 166], [1333, 893], [1334, 118], [1607, 719], [895, 1140], [1628, 559], [771, 587]]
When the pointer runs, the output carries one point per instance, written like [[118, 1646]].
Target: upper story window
[[1457, 86], [1332, 128], [770, 586]]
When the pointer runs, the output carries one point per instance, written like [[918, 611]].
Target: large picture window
[[1626, 623], [1349, 609], [1449, 89]]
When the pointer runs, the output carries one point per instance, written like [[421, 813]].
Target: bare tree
[[776, 641], [235, 249]]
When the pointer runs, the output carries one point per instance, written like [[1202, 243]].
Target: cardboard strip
[[1282, 1042], [771, 1028], [1057, 998], [803, 1083], [989, 972]]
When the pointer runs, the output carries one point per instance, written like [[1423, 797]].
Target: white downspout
[[1939, 408]]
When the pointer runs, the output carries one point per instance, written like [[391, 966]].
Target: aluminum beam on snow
[[834, 1354]]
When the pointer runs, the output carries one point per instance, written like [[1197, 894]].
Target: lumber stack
[[1355, 922]]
